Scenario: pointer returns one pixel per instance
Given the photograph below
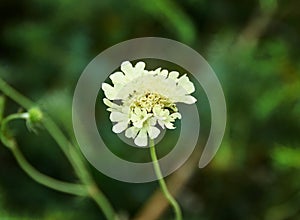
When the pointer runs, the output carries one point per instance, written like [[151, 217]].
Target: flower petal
[[189, 99], [155, 72], [164, 73], [161, 123], [173, 75], [156, 110], [139, 67], [169, 125], [175, 115], [118, 116], [152, 121], [109, 91], [128, 70], [111, 104], [142, 138], [118, 78], [131, 132], [126, 67], [153, 132], [120, 127], [185, 83]]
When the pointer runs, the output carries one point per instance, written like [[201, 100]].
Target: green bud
[[35, 115], [34, 119]]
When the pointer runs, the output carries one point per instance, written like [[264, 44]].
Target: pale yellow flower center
[[150, 99]]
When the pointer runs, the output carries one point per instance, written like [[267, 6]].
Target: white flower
[[148, 99]]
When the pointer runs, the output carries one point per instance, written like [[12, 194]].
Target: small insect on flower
[[147, 100]]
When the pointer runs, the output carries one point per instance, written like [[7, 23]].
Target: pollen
[[150, 99]]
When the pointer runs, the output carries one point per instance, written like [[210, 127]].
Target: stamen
[[150, 99]]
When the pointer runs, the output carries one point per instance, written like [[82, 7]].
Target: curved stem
[[75, 189], [80, 168], [71, 188], [68, 149], [162, 182]]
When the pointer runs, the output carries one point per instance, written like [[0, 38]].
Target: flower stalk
[[162, 183]]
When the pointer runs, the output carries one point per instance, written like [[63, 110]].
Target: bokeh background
[[253, 46]]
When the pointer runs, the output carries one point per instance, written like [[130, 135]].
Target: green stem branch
[[162, 182], [68, 149], [71, 188], [75, 189]]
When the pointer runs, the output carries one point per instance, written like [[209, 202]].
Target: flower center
[[150, 99]]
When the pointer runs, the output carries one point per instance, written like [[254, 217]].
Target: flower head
[[147, 100]]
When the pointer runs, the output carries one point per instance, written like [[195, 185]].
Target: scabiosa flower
[[145, 100]]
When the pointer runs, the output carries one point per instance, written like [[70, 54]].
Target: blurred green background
[[251, 45]]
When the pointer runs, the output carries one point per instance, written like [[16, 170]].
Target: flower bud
[[33, 118], [35, 115]]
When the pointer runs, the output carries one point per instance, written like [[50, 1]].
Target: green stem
[[68, 149], [71, 188], [14, 95], [80, 168], [75, 189], [162, 182], [2, 103]]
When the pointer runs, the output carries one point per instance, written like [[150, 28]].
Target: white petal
[[119, 127], [155, 72], [118, 116], [109, 91], [118, 78], [140, 66], [175, 115], [164, 73], [139, 123], [131, 132], [189, 99], [141, 139], [169, 125], [173, 75], [111, 104], [153, 132], [152, 121], [185, 83], [161, 123], [127, 68], [156, 110]]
